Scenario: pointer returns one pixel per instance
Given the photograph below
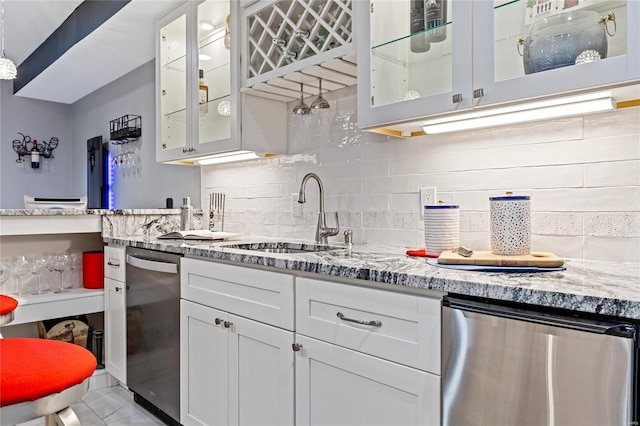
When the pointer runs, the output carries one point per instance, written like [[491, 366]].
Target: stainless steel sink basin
[[283, 247]]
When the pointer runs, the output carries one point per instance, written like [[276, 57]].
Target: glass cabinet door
[[173, 82], [214, 71], [552, 46], [408, 62]]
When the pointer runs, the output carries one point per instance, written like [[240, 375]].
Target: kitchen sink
[[283, 247]]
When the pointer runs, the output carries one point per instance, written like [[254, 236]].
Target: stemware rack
[[127, 128]]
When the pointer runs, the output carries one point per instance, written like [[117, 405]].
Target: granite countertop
[[605, 288], [79, 212]]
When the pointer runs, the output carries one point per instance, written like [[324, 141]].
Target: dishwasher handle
[[152, 265], [582, 324]]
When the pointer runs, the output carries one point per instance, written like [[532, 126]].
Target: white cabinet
[[199, 106], [475, 60], [235, 369], [338, 386], [367, 356], [192, 39], [115, 313]]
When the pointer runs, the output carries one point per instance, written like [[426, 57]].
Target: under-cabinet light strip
[[530, 111]]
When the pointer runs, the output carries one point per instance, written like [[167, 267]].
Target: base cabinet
[[235, 371], [335, 386], [115, 314]]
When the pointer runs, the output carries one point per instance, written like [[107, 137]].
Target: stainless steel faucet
[[322, 230]]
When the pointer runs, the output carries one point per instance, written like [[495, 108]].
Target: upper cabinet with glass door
[[544, 47], [197, 81], [407, 66], [421, 58]]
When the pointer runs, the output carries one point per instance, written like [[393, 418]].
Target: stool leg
[[64, 417]]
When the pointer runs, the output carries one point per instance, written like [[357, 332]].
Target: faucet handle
[[348, 237]]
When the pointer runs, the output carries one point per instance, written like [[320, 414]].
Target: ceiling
[[118, 46]]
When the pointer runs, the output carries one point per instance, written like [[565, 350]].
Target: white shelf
[[49, 224], [77, 301]]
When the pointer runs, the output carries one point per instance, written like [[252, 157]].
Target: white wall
[[134, 94], [583, 176], [40, 120]]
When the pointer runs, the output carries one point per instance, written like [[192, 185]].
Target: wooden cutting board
[[486, 258]]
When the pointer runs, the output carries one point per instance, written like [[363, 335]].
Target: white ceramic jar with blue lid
[[441, 227], [510, 218]]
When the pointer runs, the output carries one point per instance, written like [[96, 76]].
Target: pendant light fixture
[[7, 67]]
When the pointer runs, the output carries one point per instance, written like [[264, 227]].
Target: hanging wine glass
[[37, 265], [60, 263], [321, 108], [320, 102], [20, 269], [301, 108]]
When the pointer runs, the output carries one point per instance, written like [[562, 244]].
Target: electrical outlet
[[427, 197], [296, 207]]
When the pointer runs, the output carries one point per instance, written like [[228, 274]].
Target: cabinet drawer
[[409, 326], [264, 296], [114, 263]]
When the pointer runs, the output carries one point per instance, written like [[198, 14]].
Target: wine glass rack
[[127, 128]]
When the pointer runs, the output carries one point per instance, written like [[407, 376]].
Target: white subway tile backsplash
[[612, 224], [612, 249], [614, 173], [391, 184], [625, 121], [405, 220], [471, 221], [582, 173], [569, 224], [565, 247], [587, 199], [421, 165], [375, 219]]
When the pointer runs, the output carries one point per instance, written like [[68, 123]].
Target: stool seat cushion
[[33, 368], [7, 304]]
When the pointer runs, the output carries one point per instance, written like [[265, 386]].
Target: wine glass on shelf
[[5, 271], [75, 269], [37, 265], [60, 263], [20, 268]]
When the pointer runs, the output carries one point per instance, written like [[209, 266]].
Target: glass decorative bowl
[[557, 41]]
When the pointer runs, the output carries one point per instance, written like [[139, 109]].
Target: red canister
[[93, 269]]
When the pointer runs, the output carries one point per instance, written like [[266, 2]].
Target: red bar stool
[[7, 306], [40, 377]]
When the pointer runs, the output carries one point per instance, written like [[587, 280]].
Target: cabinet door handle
[[227, 324], [118, 289], [457, 98], [296, 347], [478, 93], [374, 323], [218, 321]]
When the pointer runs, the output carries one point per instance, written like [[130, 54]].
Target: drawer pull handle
[[227, 324], [296, 347], [118, 289], [218, 321], [115, 265], [374, 323]]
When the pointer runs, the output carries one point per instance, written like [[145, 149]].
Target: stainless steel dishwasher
[[153, 331], [505, 365]]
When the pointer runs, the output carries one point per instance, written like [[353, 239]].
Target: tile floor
[[108, 406]]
